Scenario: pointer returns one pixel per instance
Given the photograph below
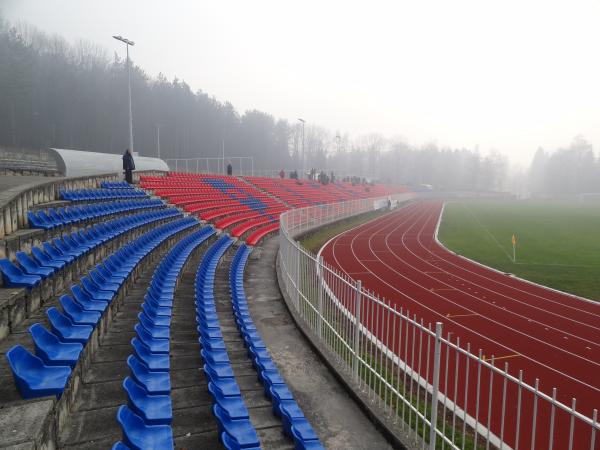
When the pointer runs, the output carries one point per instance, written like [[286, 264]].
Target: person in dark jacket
[[229, 169], [128, 166]]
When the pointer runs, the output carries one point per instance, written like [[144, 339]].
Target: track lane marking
[[384, 223]]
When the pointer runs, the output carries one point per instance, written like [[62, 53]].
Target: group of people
[[321, 177]]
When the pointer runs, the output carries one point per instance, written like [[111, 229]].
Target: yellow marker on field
[[514, 243]]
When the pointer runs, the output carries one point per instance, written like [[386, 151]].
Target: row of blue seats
[[235, 429], [284, 405], [115, 185], [58, 350], [100, 194], [57, 253], [146, 420], [53, 218]]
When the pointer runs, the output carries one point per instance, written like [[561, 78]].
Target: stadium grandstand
[[182, 312], [98, 281]]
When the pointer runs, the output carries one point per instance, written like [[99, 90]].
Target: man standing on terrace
[[128, 166]]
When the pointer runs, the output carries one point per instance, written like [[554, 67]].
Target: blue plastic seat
[[240, 430], [231, 444], [153, 409], [56, 254], [270, 378], [86, 301], [79, 239], [65, 249], [39, 221], [214, 356], [212, 344], [107, 285], [155, 345], [32, 377], [32, 267], [155, 383], [140, 436], [157, 332], [65, 329], [55, 217], [110, 276], [77, 314], [74, 245], [51, 350], [218, 371], [161, 315], [120, 446], [14, 277], [162, 303], [95, 292], [156, 362], [302, 432], [225, 387], [45, 261]]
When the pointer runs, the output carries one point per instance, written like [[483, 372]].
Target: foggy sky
[[511, 75]]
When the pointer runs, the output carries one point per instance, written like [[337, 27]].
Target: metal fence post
[[357, 326], [297, 276], [320, 274], [435, 384]]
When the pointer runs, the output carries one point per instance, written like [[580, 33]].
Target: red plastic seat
[[257, 235]]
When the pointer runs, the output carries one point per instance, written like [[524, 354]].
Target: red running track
[[548, 335]]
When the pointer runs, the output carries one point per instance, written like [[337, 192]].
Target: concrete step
[[92, 424], [92, 421]]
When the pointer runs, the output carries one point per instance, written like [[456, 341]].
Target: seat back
[[138, 368], [40, 255], [134, 390], [58, 247], [26, 262], [80, 295], [69, 305], [21, 360], [57, 319], [41, 336], [9, 268]]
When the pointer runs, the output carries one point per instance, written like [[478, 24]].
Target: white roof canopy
[[74, 163]]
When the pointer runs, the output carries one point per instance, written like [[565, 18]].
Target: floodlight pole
[[303, 155], [158, 140], [127, 43]]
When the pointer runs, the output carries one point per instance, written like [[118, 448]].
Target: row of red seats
[[252, 205], [227, 201]]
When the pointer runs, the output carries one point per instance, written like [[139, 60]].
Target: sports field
[[558, 243]]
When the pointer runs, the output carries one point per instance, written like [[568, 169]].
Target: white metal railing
[[409, 368], [240, 165]]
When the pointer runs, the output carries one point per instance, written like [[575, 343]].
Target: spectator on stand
[[128, 166]]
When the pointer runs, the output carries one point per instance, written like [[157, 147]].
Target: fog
[[448, 77]]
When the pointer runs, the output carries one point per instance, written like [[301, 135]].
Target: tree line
[[57, 94], [569, 170]]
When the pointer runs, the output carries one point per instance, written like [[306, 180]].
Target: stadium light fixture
[[303, 155], [128, 43]]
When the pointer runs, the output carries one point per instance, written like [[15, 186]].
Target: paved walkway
[[11, 181]]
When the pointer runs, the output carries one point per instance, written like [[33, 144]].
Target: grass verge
[[558, 243]]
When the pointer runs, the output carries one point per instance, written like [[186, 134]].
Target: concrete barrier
[[16, 201]]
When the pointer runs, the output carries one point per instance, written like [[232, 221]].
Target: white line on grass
[[488, 232]]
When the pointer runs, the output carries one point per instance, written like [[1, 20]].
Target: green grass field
[[558, 243]]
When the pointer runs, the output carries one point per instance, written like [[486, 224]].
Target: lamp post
[[303, 155], [158, 140], [127, 43]]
